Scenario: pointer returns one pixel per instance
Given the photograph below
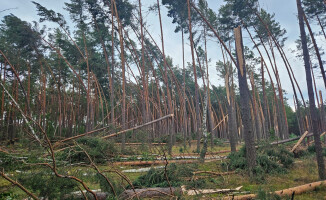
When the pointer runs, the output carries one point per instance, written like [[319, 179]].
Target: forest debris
[[221, 121], [173, 157], [321, 135], [2, 173], [155, 192], [111, 135], [3, 150], [139, 143], [193, 192], [145, 169], [138, 127], [80, 195], [286, 192], [195, 177], [208, 153], [160, 162], [214, 173], [149, 192], [288, 140], [299, 142]]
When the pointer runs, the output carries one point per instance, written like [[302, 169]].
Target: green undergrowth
[[98, 149], [311, 149], [269, 160], [163, 178], [308, 152], [47, 185]]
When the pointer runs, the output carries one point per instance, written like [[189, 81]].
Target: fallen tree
[[211, 174], [321, 135], [289, 140], [159, 162], [300, 140], [150, 192], [109, 136], [138, 127], [286, 192], [138, 143], [193, 192], [171, 191]]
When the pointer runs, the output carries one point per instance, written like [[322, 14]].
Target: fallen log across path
[[160, 162], [286, 192]]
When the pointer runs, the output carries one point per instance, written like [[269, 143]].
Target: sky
[[285, 13]]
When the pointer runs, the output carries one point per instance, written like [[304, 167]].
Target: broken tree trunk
[[300, 140], [207, 191], [115, 134], [321, 135], [161, 162], [286, 192], [245, 102], [149, 192], [137, 127]]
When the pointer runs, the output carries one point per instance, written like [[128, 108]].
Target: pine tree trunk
[[313, 110], [185, 124], [169, 100], [320, 62], [245, 103], [322, 115], [123, 106], [197, 116], [112, 66]]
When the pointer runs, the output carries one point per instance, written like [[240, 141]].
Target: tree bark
[[195, 77], [320, 62], [312, 106], [245, 102]]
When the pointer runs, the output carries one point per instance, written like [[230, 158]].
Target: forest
[[208, 104]]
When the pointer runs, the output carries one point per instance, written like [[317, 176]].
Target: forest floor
[[303, 171]]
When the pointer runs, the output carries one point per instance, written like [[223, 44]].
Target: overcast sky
[[285, 13]]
